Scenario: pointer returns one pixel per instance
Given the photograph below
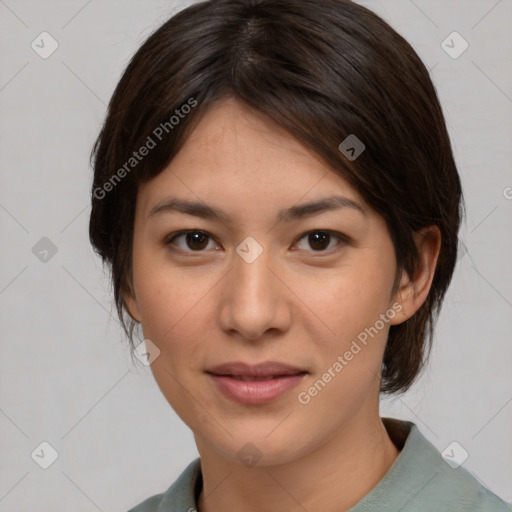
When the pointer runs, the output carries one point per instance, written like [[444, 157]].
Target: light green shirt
[[419, 480]]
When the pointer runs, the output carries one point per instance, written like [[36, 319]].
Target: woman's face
[[317, 297]]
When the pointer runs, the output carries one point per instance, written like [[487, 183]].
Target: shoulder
[[458, 489], [148, 505], [421, 480]]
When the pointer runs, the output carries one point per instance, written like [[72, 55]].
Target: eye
[[193, 239], [197, 240], [320, 240]]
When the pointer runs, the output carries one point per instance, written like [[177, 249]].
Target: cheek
[[348, 299], [164, 294], [172, 304], [166, 308], [173, 318]]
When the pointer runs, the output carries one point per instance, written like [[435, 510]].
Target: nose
[[254, 301]]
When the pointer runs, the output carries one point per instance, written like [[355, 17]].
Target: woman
[[275, 191]]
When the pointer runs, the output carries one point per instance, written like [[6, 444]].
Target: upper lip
[[267, 368]]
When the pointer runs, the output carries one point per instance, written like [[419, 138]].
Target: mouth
[[247, 378], [255, 384], [261, 371]]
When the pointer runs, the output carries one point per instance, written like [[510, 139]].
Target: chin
[[259, 447]]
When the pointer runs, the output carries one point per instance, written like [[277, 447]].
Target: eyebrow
[[299, 211]]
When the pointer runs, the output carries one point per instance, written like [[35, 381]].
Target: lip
[[273, 380], [256, 391], [265, 369]]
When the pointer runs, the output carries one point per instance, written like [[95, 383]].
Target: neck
[[332, 478]]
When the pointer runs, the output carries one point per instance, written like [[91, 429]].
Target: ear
[[413, 291], [131, 304]]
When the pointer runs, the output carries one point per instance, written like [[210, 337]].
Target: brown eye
[[320, 241], [197, 241], [194, 241]]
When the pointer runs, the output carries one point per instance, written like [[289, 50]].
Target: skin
[[293, 304]]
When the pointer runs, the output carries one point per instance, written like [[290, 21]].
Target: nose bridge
[[251, 303], [251, 275], [251, 269]]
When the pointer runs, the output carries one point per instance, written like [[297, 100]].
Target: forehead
[[229, 119], [238, 155]]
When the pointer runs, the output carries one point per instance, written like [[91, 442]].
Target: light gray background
[[66, 374]]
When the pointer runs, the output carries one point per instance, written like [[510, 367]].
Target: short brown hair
[[322, 69]]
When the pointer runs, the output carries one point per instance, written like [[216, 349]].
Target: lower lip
[[255, 391]]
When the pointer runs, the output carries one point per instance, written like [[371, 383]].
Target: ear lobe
[[413, 291], [131, 305]]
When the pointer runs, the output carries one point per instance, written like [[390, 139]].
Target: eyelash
[[343, 239]]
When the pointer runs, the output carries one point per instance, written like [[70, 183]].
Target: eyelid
[[169, 239], [344, 239]]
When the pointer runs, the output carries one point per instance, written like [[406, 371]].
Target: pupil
[[318, 237], [193, 238]]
